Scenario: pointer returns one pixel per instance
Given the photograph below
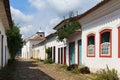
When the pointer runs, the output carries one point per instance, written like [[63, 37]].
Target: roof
[[50, 35], [5, 14], [7, 8], [84, 14], [47, 37], [35, 38]]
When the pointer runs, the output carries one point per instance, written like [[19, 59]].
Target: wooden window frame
[[94, 45], [109, 55]]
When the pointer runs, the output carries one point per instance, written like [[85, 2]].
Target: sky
[[33, 15]]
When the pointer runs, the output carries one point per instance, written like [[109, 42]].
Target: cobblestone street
[[35, 70]]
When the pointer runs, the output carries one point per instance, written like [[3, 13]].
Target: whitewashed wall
[[51, 42], [73, 38], [109, 21], [41, 54], [27, 49], [6, 54]]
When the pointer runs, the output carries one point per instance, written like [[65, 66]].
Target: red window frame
[[92, 34], [103, 31]]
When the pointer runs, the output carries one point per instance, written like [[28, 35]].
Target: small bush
[[107, 74], [48, 61], [75, 70], [85, 70], [64, 67], [71, 67]]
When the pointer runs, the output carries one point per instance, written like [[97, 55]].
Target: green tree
[[67, 29], [14, 40]]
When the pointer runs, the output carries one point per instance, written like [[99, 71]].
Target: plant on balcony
[[68, 28]]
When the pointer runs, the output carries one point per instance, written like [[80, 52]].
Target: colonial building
[[99, 39], [29, 42], [5, 23], [50, 42], [95, 45]]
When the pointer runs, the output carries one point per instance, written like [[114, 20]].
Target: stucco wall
[[27, 49], [6, 54], [75, 37], [109, 21]]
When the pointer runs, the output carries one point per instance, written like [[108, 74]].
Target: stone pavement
[[35, 70]]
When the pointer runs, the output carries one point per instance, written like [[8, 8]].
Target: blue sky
[[31, 15]]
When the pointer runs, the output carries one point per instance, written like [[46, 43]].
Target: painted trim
[[92, 34], [69, 49], [79, 51], [65, 55], [2, 51], [118, 42], [100, 54], [106, 28], [62, 55], [58, 55], [54, 54]]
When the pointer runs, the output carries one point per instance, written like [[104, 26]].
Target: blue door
[[80, 52], [72, 53]]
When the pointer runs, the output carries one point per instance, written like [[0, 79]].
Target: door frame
[[65, 55], [62, 55], [69, 50], [2, 54], [79, 51], [54, 55], [58, 55]]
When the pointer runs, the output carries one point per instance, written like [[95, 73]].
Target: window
[[91, 45], [40, 35], [105, 43]]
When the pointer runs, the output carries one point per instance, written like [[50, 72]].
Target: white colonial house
[[101, 35], [95, 45], [56, 47], [5, 23], [29, 42], [98, 43]]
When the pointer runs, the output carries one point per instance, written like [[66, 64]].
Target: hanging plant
[[67, 29]]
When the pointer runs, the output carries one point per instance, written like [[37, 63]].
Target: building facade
[[29, 42], [5, 23]]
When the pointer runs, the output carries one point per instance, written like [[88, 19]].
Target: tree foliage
[[67, 29], [49, 56], [14, 40]]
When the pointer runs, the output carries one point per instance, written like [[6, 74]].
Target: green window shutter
[[91, 40], [106, 37]]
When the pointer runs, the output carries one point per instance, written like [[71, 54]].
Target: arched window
[[91, 45], [106, 43]]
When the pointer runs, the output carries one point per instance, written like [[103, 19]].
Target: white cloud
[[54, 21], [63, 6], [39, 4], [18, 16], [48, 14], [27, 30]]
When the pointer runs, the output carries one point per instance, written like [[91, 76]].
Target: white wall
[[75, 37], [42, 54], [110, 21], [27, 49], [6, 54], [51, 42]]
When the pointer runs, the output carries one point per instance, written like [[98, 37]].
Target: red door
[[58, 55], [64, 55]]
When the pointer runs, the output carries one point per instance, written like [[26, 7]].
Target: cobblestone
[[35, 70]]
